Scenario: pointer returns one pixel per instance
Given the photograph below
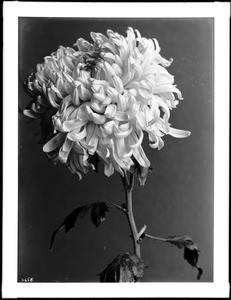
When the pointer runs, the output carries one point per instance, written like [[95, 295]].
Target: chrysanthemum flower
[[105, 96]]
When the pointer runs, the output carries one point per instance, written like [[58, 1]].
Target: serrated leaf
[[124, 268], [98, 213], [110, 274], [69, 222], [191, 250]]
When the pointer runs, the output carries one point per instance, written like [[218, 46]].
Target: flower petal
[[108, 169], [178, 133], [73, 124], [110, 111], [52, 98], [135, 141], [141, 157], [96, 118], [167, 88], [30, 113], [77, 135], [118, 84], [54, 143], [123, 134]]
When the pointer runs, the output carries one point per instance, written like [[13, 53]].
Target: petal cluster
[[105, 95]]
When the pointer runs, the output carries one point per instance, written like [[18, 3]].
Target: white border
[[13, 10]]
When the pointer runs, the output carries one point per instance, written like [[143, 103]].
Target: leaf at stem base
[[124, 268]]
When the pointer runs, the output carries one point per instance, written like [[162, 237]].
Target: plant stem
[[117, 206], [128, 187], [155, 238]]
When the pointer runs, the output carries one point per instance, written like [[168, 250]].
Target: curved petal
[[73, 124], [77, 135], [117, 82], [178, 133], [83, 45], [52, 98], [97, 107], [110, 111], [92, 139], [121, 116], [122, 134], [141, 120], [54, 143], [167, 88], [99, 97], [135, 141], [65, 150], [108, 169], [108, 127], [30, 113], [96, 118], [141, 157]]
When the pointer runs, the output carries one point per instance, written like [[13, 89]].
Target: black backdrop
[[178, 196]]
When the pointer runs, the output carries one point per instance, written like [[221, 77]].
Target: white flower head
[[104, 96]]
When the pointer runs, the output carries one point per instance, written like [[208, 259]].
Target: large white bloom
[[106, 95]]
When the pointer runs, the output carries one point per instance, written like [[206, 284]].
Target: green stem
[[128, 187]]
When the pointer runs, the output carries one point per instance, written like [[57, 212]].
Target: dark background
[[178, 196]]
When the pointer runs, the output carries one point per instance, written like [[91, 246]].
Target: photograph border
[[220, 12]]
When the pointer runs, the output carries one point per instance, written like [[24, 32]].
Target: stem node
[[141, 234]]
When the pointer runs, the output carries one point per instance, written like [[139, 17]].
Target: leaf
[[124, 268], [137, 266], [191, 250], [69, 221], [110, 273], [84, 211], [191, 254], [180, 241], [98, 213]]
